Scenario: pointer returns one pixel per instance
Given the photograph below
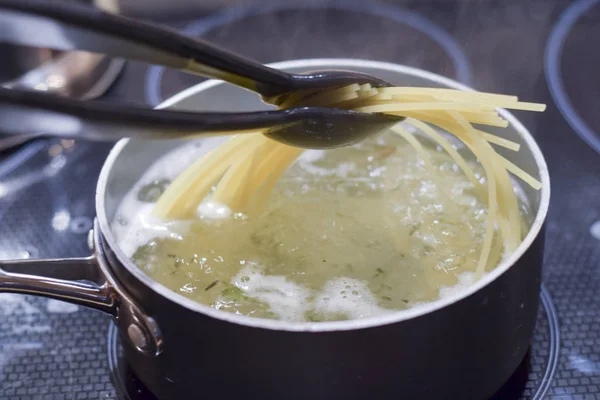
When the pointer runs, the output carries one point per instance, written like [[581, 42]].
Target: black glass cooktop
[[542, 50]]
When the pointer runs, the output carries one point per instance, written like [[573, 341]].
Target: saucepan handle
[[85, 281]]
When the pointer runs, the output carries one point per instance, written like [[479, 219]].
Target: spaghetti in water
[[242, 172]]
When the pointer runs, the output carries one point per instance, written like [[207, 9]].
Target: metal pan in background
[[76, 74]]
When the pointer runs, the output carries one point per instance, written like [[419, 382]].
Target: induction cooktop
[[541, 50]]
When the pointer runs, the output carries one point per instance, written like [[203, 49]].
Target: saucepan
[[464, 346], [76, 74]]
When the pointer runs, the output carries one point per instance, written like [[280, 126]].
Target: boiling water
[[348, 233]]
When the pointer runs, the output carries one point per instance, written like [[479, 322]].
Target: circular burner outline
[[554, 342], [542, 389], [397, 14], [113, 359], [552, 69]]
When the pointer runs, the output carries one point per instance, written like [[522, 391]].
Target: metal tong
[[68, 26]]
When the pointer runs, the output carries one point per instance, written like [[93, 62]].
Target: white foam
[[465, 280], [140, 227], [143, 228], [350, 297], [342, 170], [210, 209], [311, 156], [308, 157], [285, 298], [290, 301]]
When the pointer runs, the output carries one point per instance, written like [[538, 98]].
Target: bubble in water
[[152, 191], [363, 304]]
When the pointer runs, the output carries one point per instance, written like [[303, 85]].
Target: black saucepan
[[462, 347]]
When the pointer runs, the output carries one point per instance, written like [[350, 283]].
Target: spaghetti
[[244, 170]]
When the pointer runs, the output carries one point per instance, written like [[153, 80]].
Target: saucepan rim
[[369, 322]]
